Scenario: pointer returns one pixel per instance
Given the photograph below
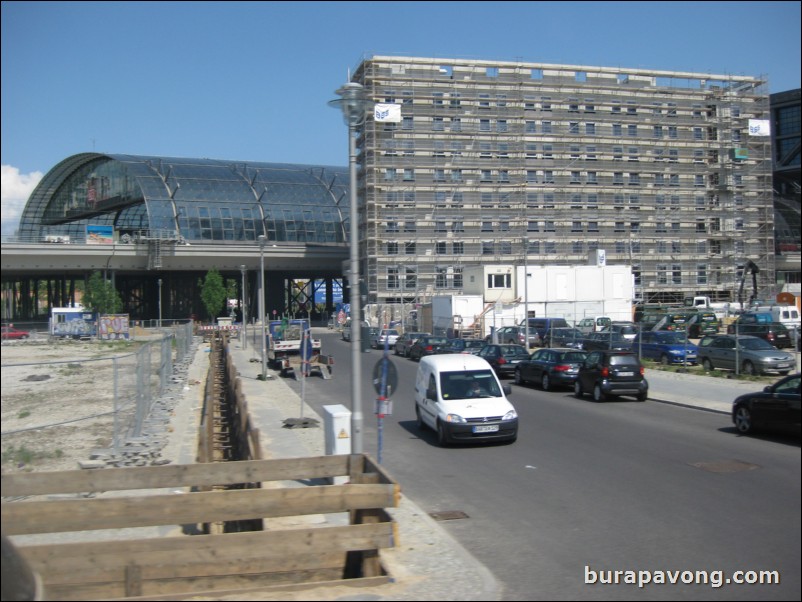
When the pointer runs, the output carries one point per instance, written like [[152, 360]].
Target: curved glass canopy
[[202, 200]]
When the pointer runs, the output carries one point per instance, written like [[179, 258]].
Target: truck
[[721, 308], [290, 345]]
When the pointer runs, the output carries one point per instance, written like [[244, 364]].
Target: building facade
[[528, 163]]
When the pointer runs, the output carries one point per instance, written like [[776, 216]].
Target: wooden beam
[[57, 516]]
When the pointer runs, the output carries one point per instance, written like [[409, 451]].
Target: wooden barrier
[[345, 550]]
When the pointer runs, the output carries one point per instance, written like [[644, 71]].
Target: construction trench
[[228, 522]]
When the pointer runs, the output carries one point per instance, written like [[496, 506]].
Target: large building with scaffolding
[[529, 163]]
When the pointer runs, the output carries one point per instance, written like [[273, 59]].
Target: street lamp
[[160, 302], [244, 312], [354, 104], [262, 241]]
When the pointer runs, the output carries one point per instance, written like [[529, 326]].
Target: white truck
[[721, 308], [290, 345]]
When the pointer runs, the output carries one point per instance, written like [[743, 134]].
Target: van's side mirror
[[431, 394], [507, 388]]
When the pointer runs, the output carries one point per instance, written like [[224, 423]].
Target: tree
[[101, 296], [213, 293]]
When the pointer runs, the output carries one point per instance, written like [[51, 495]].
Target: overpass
[[37, 275]]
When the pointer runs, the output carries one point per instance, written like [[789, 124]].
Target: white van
[[788, 315], [460, 397]]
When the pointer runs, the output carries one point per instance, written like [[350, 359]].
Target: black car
[[597, 341], [775, 333], [550, 368], [471, 346], [775, 405], [611, 373], [564, 337], [503, 358], [426, 345]]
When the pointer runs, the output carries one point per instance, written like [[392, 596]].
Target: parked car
[[503, 358], [702, 323], [605, 340], [772, 332], [471, 346], [775, 405], [550, 367], [10, 333], [346, 333], [405, 342], [628, 330], [426, 345], [609, 373], [588, 325], [564, 337], [752, 355], [384, 336], [665, 347], [543, 325], [515, 335]]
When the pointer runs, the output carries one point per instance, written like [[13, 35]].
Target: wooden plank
[[263, 551], [139, 511], [173, 476]]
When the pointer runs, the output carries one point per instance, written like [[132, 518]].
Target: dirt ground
[[57, 401]]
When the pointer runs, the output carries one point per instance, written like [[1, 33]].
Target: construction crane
[[751, 267]]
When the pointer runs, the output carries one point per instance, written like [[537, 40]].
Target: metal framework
[[500, 162]]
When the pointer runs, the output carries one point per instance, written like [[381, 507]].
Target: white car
[[385, 336]]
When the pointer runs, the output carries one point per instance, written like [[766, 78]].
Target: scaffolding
[[499, 162]]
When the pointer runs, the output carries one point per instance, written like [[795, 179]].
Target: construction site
[[535, 164]]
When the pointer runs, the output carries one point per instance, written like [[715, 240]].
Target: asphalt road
[[592, 487]]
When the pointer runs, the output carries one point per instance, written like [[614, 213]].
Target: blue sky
[[250, 80]]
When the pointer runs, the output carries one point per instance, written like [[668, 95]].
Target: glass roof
[[203, 200]]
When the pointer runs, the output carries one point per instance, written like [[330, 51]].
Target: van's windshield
[[469, 385]]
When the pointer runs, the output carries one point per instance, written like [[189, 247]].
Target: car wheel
[[664, 360], [598, 394], [743, 420], [545, 383], [442, 437], [707, 364], [642, 396], [578, 390], [519, 379], [418, 420], [749, 368]]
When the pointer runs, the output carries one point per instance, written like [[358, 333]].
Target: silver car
[[752, 354]]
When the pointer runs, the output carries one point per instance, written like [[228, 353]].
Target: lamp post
[[353, 104], [244, 312], [160, 302], [262, 241]]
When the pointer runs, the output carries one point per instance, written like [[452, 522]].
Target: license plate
[[626, 374], [783, 365], [485, 428]]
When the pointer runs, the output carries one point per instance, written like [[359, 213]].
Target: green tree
[[101, 296], [213, 293]]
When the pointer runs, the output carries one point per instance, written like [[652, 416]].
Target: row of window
[[714, 247], [406, 278], [572, 128], [456, 100], [548, 176]]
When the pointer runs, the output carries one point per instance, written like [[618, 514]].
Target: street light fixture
[[262, 241], [354, 104], [244, 331]]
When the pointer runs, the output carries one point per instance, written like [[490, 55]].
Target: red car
[[9, 332]]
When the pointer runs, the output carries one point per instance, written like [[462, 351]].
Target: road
[[597, 487]]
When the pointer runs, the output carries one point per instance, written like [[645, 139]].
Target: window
[[438, 124], [484, 125], [573, 127], [440, 277], [410, 248], [497, 281], [488, 247], [590, 129], [545, 126], [406, 123], [618, 130], [530, 127], [392, 248], [456, 124], [632, 131], [676, 274], [577, 247], [411, 278], [440, 248], [501, 125], [392, 278], [458, 248]]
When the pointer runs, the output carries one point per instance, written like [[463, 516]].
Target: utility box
[[337, 425]]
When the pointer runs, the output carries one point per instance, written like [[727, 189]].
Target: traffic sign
[[385, 370]]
